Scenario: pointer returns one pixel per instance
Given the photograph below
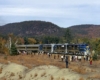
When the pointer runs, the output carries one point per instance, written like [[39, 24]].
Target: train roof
[[28, 45]]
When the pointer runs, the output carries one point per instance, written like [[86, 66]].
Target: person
[[84, 58], [58, 56], [79, 58], [62, 57], [75, 58], [66, 60], [72, 57], [49, 55], [90, 60]]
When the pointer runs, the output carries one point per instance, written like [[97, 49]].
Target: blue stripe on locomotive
[[41, 47], [82, 47]]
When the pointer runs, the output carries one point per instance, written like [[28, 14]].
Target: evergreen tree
[[26, 40], [56, 40], [95, 57], [50, 39], [13, 50], [68, 36]]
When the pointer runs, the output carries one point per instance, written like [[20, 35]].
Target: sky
[[64, 13]]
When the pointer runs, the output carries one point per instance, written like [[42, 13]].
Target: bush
[[13, 50], [95, 57]]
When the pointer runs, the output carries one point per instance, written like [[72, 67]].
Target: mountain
[[90, 31], [43, 28], [32, 28]]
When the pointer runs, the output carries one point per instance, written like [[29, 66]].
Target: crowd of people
[[65, 58], [72, 58]]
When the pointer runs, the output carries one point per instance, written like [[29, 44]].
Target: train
[[65, 48]]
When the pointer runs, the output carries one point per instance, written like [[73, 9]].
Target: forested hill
[[90, 31], [43, 28], [32, 28]]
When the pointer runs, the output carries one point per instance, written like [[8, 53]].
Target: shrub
[[13, 49], [95, 57]]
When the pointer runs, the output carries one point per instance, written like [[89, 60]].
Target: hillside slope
[[43, 28], [91, 31], [31, 28]]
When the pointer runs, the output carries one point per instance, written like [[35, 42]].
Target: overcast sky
[[63, 13]]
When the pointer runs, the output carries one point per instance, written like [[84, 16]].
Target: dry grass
[[12, 74], [78, 68], [28, 60], [20, 77], [63, 79], [81, 78], [3, 78], [58, 78], [81, 70], [1, 70], [96, 76], [31, 75], [36, 60], [51, 77], [35, 75], [43, 74]]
